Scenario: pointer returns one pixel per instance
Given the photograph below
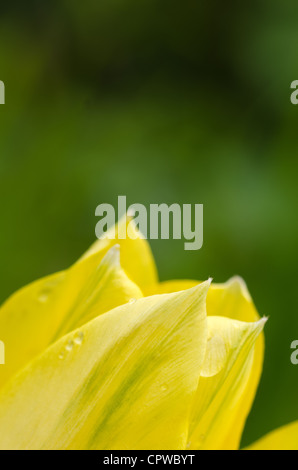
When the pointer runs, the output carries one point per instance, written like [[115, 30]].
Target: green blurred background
[[161, 101]]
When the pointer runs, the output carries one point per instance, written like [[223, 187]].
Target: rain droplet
[[79, 338], [164, 388], [61, 355], [43, 296], [69, 346], [132, 301]]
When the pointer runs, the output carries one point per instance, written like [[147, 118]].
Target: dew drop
[[132, 301], [61, 355], [164, 388], [69, 346], [43, 296], [79, 338]]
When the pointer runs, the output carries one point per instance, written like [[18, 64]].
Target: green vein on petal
[[126, 380], [39, 314]]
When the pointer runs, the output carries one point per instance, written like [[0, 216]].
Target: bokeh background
[[161, 101]]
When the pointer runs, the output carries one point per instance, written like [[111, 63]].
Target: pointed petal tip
[[264, 320], [112, 256], [131, 213], [260, 325], [200, 289], [238, 284], [206, 284]]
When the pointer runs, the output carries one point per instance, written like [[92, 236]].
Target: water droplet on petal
[[61, 355], [132, 301], [164, 388], [69, 346], [79, 338], [43, 296]]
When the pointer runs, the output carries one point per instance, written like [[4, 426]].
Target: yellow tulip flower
[[103, 356]]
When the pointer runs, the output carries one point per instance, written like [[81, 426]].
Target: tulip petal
[[168, 287], [136, 255], [39, 314], [126, 380], [285, 438], [231, 300], [224, 379]]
